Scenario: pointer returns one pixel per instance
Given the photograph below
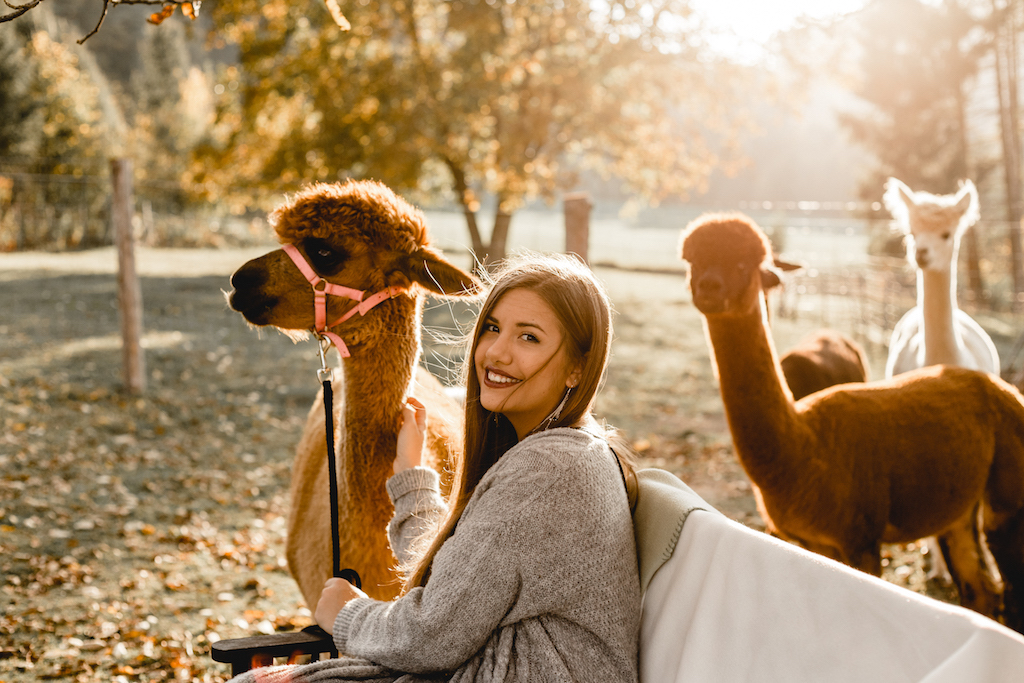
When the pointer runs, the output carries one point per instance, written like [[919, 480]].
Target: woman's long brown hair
[[584, 312]]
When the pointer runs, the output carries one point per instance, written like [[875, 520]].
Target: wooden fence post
[[577, 224], [129, 293]]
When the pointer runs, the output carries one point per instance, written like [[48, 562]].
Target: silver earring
[[558, 408]]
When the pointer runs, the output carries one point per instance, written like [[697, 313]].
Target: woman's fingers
[[415, 410]]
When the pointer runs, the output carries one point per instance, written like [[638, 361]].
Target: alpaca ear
[[898, 199], [431, 271], [769, 278], [896, 189], [907, 199], [969, 201], [786, 266]]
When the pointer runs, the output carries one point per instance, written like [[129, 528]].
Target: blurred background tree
[[916, 68], [472, 99], [62, 127]]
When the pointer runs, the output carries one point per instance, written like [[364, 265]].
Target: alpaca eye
[[945, 235], [323, 256]]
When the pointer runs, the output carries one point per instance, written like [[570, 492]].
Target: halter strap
[[321, 288]]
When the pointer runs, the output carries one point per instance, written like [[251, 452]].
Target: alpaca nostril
[[248, 277]]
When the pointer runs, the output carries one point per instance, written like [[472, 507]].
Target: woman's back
[[538, 583]]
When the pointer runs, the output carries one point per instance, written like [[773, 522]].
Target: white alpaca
[[936, 331]]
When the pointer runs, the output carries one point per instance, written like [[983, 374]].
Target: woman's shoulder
[[559, 450]]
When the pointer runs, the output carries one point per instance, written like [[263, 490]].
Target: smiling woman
[[530, 565]]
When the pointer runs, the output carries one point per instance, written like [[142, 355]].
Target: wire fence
[[52, 204]]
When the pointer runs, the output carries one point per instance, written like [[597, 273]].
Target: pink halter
[[320, 299]]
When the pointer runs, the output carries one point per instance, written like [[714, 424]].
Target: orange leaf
[[158, 17], [188, 10]]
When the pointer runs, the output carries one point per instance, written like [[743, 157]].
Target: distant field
[[651, 240]]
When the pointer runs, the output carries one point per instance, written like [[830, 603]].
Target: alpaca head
[[932, 223], [729, 260], [357, 234]]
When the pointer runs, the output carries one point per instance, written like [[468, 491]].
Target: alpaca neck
[[758, 403], [376, 379], [936, 297]]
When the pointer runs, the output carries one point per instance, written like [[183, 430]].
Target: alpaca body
[[823, 466], [869, 492], [823, 359], [364, 510], [964, 344], [363, 236]]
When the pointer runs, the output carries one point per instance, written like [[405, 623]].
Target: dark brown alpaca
[[823, 467], [363, 236], [823, 359]]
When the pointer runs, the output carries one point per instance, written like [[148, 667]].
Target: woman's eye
[[529, 337], [490, 327]]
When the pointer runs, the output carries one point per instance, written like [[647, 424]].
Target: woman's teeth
[[500, 379]]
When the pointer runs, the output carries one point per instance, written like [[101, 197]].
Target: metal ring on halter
[[325, 372]]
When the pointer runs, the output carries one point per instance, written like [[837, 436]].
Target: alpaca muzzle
[[709, 294]]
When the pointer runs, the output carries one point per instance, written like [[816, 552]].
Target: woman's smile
[[497, 379]]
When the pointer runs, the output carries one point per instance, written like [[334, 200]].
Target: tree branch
[[106, 8], [19, 10]]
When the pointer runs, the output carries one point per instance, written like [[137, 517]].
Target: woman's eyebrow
[[491, 320]]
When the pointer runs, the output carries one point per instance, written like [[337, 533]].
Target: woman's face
[[520, 362]]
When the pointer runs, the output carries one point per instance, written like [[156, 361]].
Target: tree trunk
[[466, 202], [499, 236], [1006, 87], [975, 283]]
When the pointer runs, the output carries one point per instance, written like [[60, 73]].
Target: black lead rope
[[324, 374]]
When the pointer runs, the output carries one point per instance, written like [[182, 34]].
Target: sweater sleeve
[[416, 495], [474, 582]]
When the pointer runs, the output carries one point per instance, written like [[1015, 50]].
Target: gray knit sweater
[[538, 583]]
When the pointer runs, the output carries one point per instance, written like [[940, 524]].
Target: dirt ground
[[136, 531]]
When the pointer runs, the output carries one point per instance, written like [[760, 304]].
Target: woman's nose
[[498, 351]]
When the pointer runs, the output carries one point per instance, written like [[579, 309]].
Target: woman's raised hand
[[411, 436]]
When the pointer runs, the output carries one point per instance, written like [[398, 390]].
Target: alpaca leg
[[867, 560], [937, 569], [1006, 543], [970, 567]]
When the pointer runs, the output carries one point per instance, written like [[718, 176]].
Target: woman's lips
[[498, 380]]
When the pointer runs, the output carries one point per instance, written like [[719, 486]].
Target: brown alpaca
[[359, 235], [822, 467], [823, 359]]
